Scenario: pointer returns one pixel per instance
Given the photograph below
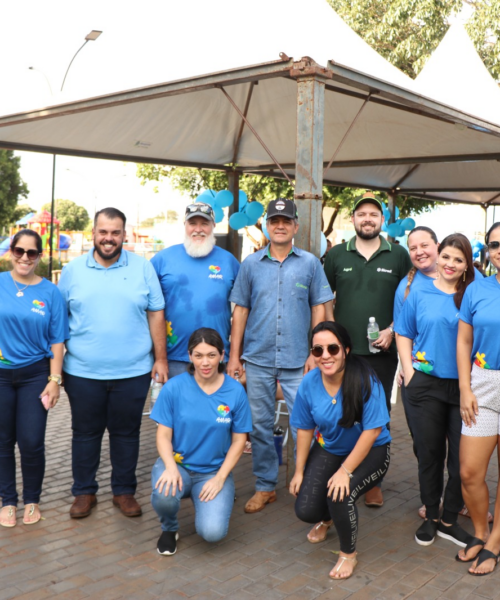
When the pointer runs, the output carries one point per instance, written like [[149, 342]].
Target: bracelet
[[348, 472]]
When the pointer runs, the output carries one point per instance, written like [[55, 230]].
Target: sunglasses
[[199, 207], [20, 252], [493, 245], [332, 349]]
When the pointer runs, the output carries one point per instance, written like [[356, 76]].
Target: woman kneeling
[[344, 401], [203, 419]]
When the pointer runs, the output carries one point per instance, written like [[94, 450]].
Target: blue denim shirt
[[279, 297]]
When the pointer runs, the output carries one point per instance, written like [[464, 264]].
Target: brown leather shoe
[[128, 505], [374, 498], [259, 500], [82, 506]]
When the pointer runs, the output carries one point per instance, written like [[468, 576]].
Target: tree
[[12, 187], [72, 216], [21, 211]]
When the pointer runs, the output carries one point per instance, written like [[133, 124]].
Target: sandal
[[10, 511], [465, 513], [315, 528], [340, 564], [482, 556], [29, 511], [472, 544]]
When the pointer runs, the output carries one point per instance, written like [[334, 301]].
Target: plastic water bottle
[[373, 332], [155, 391]]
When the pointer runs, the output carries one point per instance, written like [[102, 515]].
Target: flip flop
[[31, 512], [343, 559], [481, 557], [11, 512], [472, 544], [315, 528]]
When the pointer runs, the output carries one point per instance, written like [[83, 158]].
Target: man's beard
[[113, 254], [367, 236], [197, 250]]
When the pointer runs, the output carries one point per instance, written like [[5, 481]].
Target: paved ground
[[266, 555]]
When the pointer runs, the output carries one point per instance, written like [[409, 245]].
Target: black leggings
[[313, 505]]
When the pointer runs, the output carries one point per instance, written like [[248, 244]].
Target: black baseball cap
[[368, 198], [282, 208]]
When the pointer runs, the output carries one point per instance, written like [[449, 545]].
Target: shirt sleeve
[[465, 313], [156, 301], [319, 291], [399, 299], [406, 325], [163, 409], [242, 417], [241, 292], [58, 326], [375, 413], [302, 417]]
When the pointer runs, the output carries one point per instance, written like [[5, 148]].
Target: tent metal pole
[[233, 237], [391, 202]]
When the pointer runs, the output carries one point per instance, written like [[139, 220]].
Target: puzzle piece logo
[[480, 362]]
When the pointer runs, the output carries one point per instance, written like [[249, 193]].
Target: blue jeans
[[97, 405], [261, 391], [211, 518], [23, 420], [176, 367]]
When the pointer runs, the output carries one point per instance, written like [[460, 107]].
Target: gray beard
[[197, 250]]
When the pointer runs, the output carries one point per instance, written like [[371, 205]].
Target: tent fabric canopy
[[381, 130]]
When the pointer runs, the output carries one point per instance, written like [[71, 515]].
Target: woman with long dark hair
[[478, 357], [33, 328], [203, 419], [344, 402], [426, 337]]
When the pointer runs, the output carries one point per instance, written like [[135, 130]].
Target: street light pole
[[91, 37]]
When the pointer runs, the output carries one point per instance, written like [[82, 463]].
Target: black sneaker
[[454, 533], [167, 543], [426, 533]]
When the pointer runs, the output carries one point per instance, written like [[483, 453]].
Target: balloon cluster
[[477, 246], [398, 228], [249, 213]]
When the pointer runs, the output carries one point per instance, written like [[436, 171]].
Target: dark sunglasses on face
[[20, 252], [493, 245], [332, 349]]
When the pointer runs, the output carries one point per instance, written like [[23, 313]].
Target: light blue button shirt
[[279, 296], [108, 324]]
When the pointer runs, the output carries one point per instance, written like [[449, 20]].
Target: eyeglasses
[[332, 349], [20, 252], [200, 207], [493, 245]]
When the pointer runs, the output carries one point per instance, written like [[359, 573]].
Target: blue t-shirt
[[30, 324], [196, 292], [202, 424], [315, 408], [481, 309], [108, 323], [279, 296], [430, 318]]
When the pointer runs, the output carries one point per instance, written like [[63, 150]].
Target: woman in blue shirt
[[478, 357], [426, 338], [203, 419], [33, 328], [343, 403]]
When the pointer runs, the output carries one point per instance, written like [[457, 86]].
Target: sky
[[142, 44]]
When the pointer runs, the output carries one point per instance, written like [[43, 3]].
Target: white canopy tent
[[375, 129]]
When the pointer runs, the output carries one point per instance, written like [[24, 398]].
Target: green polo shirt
[[365, 288]]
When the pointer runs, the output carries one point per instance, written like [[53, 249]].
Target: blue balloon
[[207, 198], [242, 198], [224, 198], [211, 193], [264, 227], [322, 245], [394, 230], [408, 224], [219, 214], [384, 226], [386, 213], [238, 220], [254, 210]]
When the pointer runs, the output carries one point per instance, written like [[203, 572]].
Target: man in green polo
[[365, 273]]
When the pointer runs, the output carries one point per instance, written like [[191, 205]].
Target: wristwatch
[[56, 378], [391, 329]]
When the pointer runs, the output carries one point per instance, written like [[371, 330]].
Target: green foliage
[[21, 211], [42, 269], [484, 30], [72, 216], [12, 188]]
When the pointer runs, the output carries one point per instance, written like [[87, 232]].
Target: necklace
[[20, 291]]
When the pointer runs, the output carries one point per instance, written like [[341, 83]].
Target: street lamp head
[[93, 35]]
